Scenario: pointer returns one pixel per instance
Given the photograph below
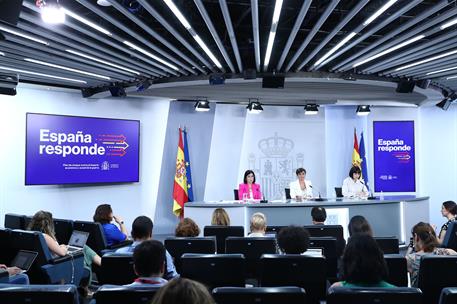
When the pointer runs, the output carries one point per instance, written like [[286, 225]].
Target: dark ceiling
[[306, 31]]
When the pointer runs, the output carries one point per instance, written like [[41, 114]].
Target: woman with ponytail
[[425, 242]]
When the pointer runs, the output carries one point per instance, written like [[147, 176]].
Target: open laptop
[[24, 259], [77, 241]]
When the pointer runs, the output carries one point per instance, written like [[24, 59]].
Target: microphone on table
[[370, 196], [263, 200], [319, 199]]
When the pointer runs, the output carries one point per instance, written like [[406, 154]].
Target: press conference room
[[228, 151]]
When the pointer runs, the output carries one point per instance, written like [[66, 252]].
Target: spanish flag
[[356, 160], [180, 185]]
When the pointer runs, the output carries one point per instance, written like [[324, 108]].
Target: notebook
[[24, 259], [77, 241]]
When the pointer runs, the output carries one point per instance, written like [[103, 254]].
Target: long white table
[[393, 216]]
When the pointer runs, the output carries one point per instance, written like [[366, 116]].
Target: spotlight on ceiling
[[254, 107], [363, 110], [444, 104], [51, 12], [311, 109], [202, 106], [143, 85], [103, 3]]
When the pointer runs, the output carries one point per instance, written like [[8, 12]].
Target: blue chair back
[[398, 272], [435, 273], [177, 246], [450, 239], [221, 233], [388, 245], [448, 295], [14, 221], [111, 294], [259, 295], [116, 269], [23, 294]]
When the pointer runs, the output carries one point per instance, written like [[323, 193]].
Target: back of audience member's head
[[359, 224], [293, 240], [318, 214], [149, 258], [142, 228], [183, 291], [103, 214], [220, 218], [425, 237], [258, 222], [42, 221], [187, 228], [363, 260]]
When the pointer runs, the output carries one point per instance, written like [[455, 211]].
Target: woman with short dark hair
[[113, 235], [249, 189], [363, 264], [301, 188], [353, 185], [359, 224]]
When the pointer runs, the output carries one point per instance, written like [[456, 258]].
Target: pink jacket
[[244, 188]]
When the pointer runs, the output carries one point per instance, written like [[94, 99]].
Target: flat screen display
[[81, 150], [394, 156]]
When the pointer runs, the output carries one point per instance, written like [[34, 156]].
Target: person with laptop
[[149, 264], [43, 222], [142, 231], [15, 275]]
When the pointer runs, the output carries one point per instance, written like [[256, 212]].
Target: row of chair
[[46, 269], [108, 294], [64, 228]]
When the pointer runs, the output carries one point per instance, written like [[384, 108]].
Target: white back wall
[[79, 202]]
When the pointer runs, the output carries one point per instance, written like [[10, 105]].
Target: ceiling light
[[448, 24], [443, 70], [52, 13], [335, 48], [396, 47], [141, 50], [2, 54], [311, 109], [40, 74], [379, 12], [426, 60], [197, 38], [66, 68], [103, 3], [103, 61], [271, 37], [254, 107], [202, 106], [451, 77], [87, 22], [22, 35], [363, 110]]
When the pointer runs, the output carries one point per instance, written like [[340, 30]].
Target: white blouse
[[351, 188], [295, 189]]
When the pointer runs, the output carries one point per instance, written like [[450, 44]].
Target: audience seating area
[[225, 261]]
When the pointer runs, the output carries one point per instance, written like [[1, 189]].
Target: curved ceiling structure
[[159, 42]]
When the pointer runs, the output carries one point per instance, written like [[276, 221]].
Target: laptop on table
[[77, 241]]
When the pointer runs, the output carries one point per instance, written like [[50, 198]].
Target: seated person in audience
[[448, 210], [319, 215], [149, 264], [104, 215], [359, 224], [353, 185], [142, 231], [183, 291], [15, 275], [363, 264], [187, 228], [249, 189], [301, 188], [424, 243], [220, 217], [258, 225], [293, 240], [42, 221]]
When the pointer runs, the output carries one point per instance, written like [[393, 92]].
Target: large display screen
[[81, 150], [394, 165]]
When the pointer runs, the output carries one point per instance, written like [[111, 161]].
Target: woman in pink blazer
[[249, 187]]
